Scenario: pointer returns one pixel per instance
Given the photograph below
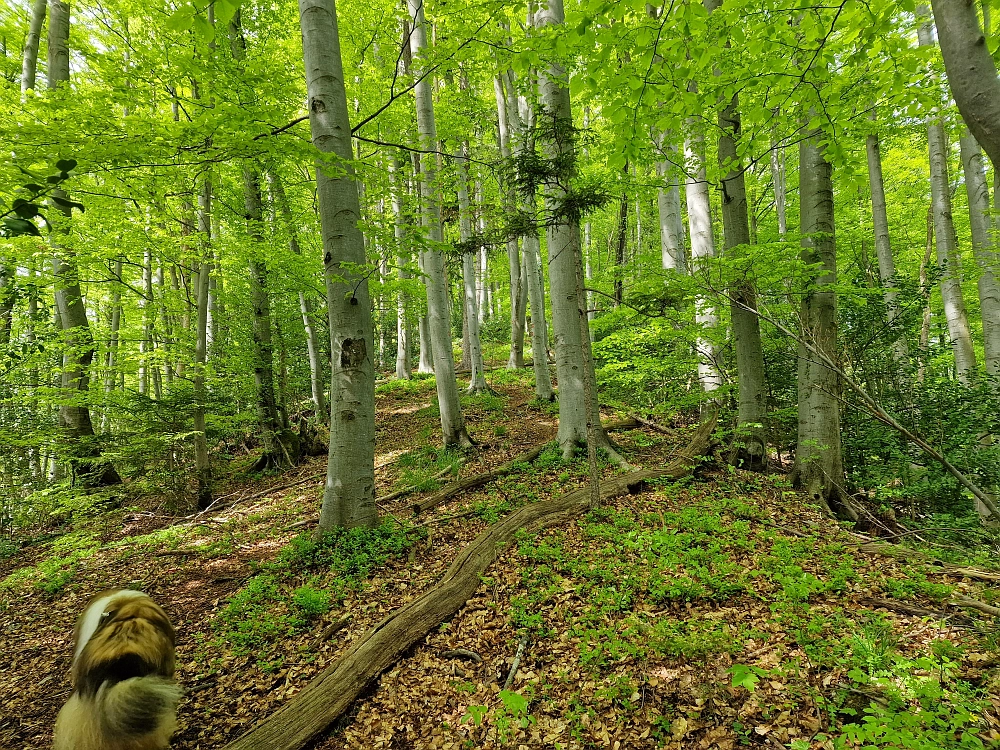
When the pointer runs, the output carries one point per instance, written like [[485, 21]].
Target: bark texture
[[984, 249], [349, 494], [945, 239], [819, 463], [438, 308], [972, 73], [702, 247], [883, 244], [750, 447], [573, 361]]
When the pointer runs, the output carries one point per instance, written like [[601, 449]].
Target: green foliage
[[271, 605]]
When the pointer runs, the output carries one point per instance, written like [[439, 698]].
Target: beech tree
[[349, 494]]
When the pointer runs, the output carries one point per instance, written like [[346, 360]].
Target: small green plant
[[311, 602], [746, 676]]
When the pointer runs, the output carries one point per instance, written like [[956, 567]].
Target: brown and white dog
[[124, 696]]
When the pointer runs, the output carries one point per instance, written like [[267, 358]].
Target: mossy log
[[331, 693]]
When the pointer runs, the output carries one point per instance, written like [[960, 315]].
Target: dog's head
[[122, 634]]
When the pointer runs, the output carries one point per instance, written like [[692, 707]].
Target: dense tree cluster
[[223, 221]]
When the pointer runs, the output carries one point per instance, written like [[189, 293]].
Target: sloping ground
[[634, 623]]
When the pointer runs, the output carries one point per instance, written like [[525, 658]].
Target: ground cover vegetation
[[632, 365]]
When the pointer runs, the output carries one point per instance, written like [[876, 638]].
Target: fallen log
[[476, 480], [331, 692]]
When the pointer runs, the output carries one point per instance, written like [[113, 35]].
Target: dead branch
[[326, 698], [476, 480], [958, 621], [978, 606], [873, 408], [515, 665]]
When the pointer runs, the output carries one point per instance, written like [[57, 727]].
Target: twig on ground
[[462, 653], [522, 644]]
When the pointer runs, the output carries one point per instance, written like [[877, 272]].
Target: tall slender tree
[[349, 494], [438, 309], [578, 419]]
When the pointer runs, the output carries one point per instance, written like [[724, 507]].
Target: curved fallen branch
[[476, 480], [314, 709]]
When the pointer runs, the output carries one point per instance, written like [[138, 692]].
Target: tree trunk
[[438, 308], [477, 378], [983, 248], [200, 282], [562, 234], [778, 179], [349, 495], [702, 246], [945, 239], [29, 66], [279, 449], [750, 446], [972, 73], [925, 294], [668, 203], [518, 296], [402, 261], [520, 119], [618, 287], [819, 464], [305, 302], [883, 246], [74, 413]]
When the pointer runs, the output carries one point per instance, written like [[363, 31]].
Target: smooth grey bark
[[518, 284], [819, 463], [668, 204], [574, 364], [983, 248], [750, 445], [482, 281], [972, 73], [702, 247], [520, 122], [438, 309], [349, 494], [403, 257], [200, 283], [945, 239], [477, 377], [883, 244], [29, 65], [280, 199]]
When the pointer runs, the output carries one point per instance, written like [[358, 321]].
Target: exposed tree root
[[476, 480], [958, 621], [905, 553], [314, 709]]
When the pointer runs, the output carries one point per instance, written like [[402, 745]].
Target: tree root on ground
[[331, 693]]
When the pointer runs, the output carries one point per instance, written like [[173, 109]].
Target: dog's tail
[[138, 706]]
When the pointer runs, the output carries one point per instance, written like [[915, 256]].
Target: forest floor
[[717, 611]]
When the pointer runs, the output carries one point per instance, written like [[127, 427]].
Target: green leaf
[[225, 10], [25, 209], [182, 18], [18, 227], [203, 29], [66, 165], [65, 203]]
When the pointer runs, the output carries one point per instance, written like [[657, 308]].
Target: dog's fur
[[124, 695]]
